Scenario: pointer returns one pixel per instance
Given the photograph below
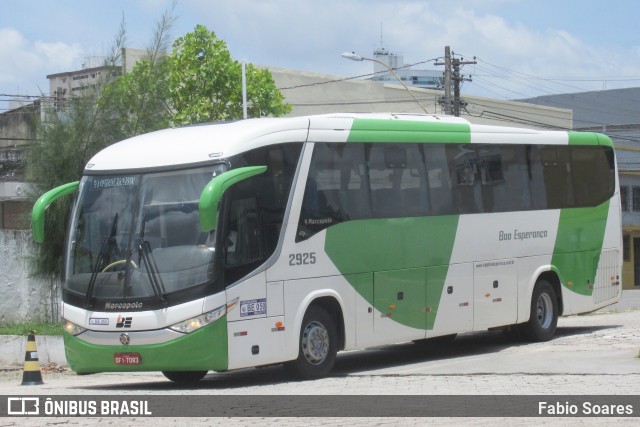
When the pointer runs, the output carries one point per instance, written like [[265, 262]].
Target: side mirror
[[43, 202], [214, 190]]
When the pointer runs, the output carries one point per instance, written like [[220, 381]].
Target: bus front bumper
[[202, 350]]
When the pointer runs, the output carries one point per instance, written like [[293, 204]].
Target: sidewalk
[[630, 301], [13, 348]]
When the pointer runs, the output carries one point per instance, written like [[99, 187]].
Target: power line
[[343, 79]]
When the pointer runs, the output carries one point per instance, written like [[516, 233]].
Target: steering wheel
[[118, 262]]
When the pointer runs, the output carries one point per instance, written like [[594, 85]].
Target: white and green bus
[[225, 246]]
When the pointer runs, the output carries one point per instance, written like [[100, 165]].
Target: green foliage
[[24, 328], [66, 141], [136, 102], [205, 82], [198, 82], [68, 136]]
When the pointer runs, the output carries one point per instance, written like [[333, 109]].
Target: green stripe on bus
[[201, 350], [370, 130], [578, 246], [409, 258], [583, 138], [604, 140]]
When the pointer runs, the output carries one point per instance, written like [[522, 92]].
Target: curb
[[50, 349]]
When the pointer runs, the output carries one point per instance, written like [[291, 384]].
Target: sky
[[523, 48]]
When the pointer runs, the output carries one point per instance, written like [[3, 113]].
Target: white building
[[427, 79], [94, 70]]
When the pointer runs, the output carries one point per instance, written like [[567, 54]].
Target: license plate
[[127, 358]]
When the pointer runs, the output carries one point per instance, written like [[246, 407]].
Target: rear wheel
[[317, 345], [544, 313], [184, 376]]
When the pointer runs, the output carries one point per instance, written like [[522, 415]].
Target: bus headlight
[[195, 323], [72, 328]]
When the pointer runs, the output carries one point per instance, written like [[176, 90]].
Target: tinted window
[[255, 209], [357, 181]]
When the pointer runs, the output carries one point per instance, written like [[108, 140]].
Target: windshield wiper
[[104, 249], [144, 252]]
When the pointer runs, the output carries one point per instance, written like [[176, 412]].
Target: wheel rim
[[315, 343], [544, 310]]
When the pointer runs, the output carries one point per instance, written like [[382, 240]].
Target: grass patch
[[23, 328]]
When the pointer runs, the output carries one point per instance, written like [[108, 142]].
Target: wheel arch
[[332, 303], [544, 272], [551, 276], [334, 309]]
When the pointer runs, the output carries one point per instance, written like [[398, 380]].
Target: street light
[[354, 57]]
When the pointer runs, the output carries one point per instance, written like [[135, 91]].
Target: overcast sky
[[523, 47]]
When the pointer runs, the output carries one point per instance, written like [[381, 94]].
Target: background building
[[308, 93], [93, 71], [427, 79], [17, 132], [313, 93]]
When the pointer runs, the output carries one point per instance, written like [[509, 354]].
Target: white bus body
[[218, 247]]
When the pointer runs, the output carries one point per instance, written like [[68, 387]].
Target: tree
[[197, 82], [205, 82], [137, 102]]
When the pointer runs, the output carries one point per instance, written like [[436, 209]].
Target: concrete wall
[[23, 297], [313, 93]]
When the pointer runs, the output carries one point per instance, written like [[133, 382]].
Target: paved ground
[[591, 354]]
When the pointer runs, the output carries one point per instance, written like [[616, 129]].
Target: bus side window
[[558, 181], [397, 181], [438, 179], [335, 189], [593, 174], [243, 240], [465, 169]]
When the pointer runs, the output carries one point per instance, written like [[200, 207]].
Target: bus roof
[[205, 143]]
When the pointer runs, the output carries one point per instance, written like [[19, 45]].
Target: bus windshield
[[137, 237]]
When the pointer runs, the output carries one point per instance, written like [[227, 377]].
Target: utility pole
[[447, 80], [452, 77]]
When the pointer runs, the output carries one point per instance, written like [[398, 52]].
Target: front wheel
[[184, 376], [544, 313], [317, 346]]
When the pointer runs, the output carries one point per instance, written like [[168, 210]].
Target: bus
[[286, 240]]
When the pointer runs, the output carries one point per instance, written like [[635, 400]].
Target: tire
[[544, 314], [184, 376], [317, 345]]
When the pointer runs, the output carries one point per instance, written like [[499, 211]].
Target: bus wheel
[[184, 376], [544, 313], [318, 345]]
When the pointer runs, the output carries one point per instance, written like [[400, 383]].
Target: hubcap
[[544, 310], [315, 342]]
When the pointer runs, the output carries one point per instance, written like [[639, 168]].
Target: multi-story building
[[17, 132], [308, 93], [427, 79], [94, 70]]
